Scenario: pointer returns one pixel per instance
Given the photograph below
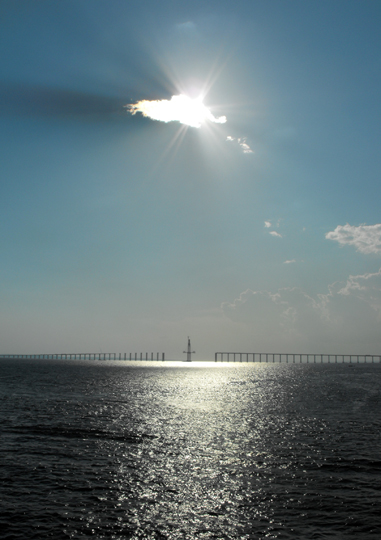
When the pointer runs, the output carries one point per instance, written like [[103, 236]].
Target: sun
[[191, 112], [181, 108]]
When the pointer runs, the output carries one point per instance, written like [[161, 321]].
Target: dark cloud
[[27, 100]]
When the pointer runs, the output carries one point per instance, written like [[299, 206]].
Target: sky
[[247, 218]]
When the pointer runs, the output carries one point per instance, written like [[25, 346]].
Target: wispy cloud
[[183, 109], [268, 224], [290, 262], [241, 141], [365, 238], [187, 26]]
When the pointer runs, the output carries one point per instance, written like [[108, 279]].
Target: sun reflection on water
[[184, 451]]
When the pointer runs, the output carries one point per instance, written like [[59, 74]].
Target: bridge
[[297, 358], [286, 358], [86, 356]]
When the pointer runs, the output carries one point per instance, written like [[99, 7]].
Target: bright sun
[[191, 112], [183, 109]]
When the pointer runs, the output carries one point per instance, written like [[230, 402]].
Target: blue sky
[[122, 233]]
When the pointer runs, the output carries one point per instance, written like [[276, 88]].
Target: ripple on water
[[203, 452]]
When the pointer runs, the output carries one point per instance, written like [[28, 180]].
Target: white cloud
[[367, 287], [345, 320], [183, 109], [290, 262], [269, 224], [241, 141], [365, 238]]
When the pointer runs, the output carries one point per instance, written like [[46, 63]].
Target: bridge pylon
[[189, 352]]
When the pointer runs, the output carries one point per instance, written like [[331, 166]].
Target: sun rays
[[189, 113]]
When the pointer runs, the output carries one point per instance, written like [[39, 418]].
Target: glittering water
[[180, 451]]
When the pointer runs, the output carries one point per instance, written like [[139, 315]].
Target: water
[[182, 451]]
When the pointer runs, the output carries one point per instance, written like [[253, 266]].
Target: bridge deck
[[293, 358]]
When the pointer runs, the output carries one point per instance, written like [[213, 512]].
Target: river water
[[167, 450]]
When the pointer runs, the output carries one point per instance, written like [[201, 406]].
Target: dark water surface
[[181, 451]]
